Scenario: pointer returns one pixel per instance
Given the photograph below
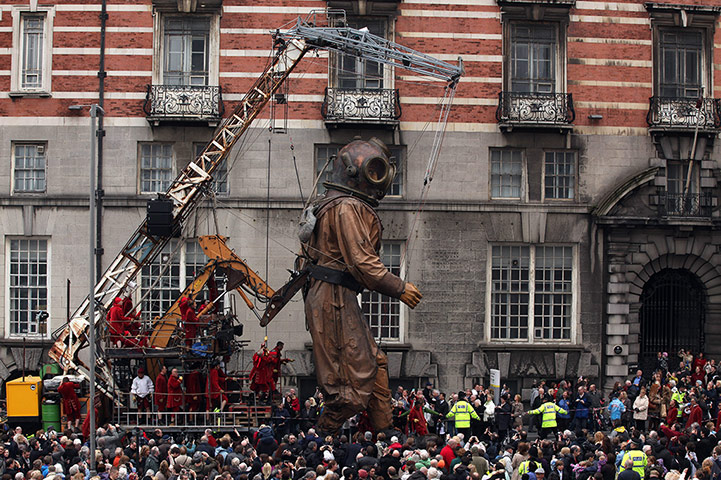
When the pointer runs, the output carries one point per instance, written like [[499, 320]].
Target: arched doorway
[[672, 315]]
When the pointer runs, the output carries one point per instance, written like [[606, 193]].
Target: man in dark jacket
[[504, 418]]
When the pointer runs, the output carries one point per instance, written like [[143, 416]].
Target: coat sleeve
[[357, 240]]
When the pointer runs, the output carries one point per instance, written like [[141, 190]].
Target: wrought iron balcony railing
[[535, 108], [684, 113], [361, 105], [685, 205], [184, 102]]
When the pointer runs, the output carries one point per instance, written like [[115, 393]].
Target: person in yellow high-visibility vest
[[462, 412], [548, 412], [636, 458]]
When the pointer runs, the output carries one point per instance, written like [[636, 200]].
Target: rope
[[267, 224], [295, 165]]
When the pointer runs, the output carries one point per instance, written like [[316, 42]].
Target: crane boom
[[193, 182]]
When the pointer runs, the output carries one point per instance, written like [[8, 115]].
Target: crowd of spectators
[[661, 425]]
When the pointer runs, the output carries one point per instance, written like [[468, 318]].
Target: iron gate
[[672, 315]]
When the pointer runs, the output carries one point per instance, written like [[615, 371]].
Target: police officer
[[548, 413], [462, 411], [635, 457]]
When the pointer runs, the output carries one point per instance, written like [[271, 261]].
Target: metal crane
[[193, 182]]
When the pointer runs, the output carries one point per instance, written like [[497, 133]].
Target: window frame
[[173, 167], [16, 62], [523, 193], [575, 296], [14, 145], [702, 23], [213, 46], [48, 275], [559, 57], [661, 32], [683, 165], [402, 308], [336, 59], [575, 176]]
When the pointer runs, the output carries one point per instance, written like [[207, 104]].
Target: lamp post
[[91, 278]]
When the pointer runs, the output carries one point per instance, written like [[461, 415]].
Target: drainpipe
[[99, 192]]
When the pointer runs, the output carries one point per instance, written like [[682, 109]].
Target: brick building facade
[[571, 228]]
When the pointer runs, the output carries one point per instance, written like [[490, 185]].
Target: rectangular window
[[520, 305], [29, 168], [357, 73], [160, 284], [220, 175], [156, 167], [509, 292], [28, 285], [678, 181], [384, 313], [33, 41], [506, 173], [533, 58], [681, 55], [186, 44], [559, 175], [324, 152], [553, 294]]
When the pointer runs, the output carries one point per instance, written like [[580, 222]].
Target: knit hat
[[362, 473]]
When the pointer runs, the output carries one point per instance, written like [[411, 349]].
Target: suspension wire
[[295, 165], [267, 224]]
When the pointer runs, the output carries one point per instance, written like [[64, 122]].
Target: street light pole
[[91, 278]]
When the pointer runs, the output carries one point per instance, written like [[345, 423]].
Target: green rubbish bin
[[50, 414], [52, 368]]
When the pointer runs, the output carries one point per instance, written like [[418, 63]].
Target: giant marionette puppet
[[341, 247]]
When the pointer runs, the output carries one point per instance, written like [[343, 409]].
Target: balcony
[[683, 114], [535, 110], [361, 106], [685, 205], [178, 104]]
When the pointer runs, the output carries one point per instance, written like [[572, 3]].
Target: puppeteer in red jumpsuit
[[352, 371], [121, 325], [191, 322], [71, 403], [261, 375]]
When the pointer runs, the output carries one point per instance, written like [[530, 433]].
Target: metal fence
[[685, 205], [535, 108], [673, 112], [184, 102], [361, 104]]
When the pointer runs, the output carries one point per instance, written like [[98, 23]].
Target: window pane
[[509, 292], [186, 55], [384, 313], [533, 52], [680, 69], [553, 293], [161, 282], [32, 51], [156, 167], [560, 175], [506, 173], [27, 284], [29, 168]]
